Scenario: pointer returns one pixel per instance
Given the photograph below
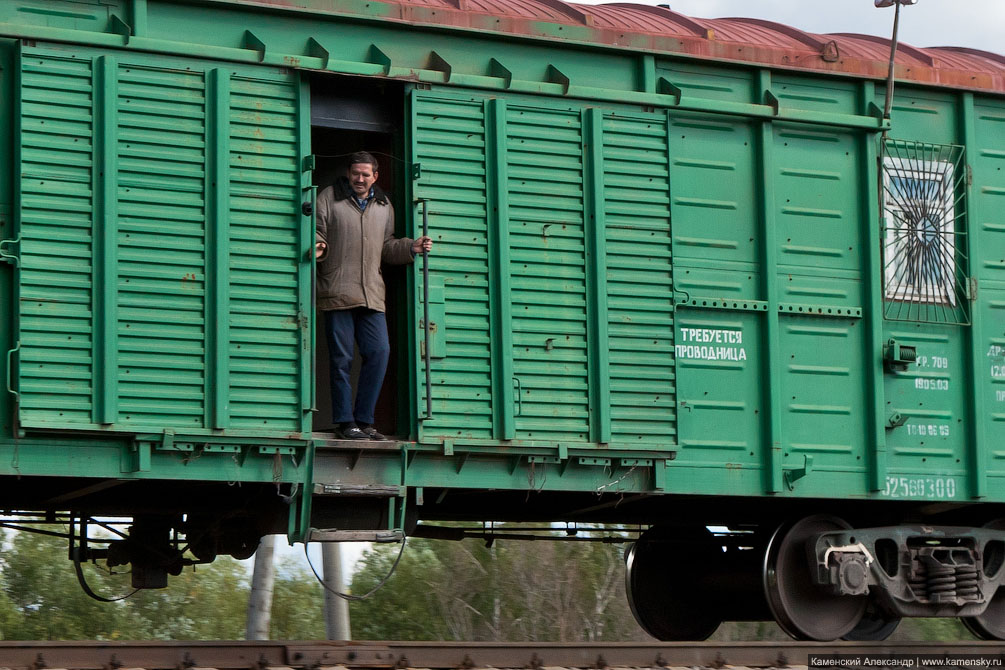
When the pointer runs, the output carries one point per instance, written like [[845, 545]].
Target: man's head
[[362, 173]]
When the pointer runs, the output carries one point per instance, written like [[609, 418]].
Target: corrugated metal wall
[[161, 284], [449, 141], [547, 269], [640, 290], [553, 228]]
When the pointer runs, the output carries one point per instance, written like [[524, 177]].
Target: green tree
[[297, 604], [40, 598], [404, 608], [208, 602], [516, 591], [48, 603]]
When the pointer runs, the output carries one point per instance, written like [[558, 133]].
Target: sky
[[978, 24]]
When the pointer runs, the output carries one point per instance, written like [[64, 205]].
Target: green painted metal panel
[[768, 216], [162, 260], [983, 128], [505, 393], [551, 63], [544, 166], [449, 142], [817, 206], [923, 116], [816, 94], [266, 254], [932, 395], [217, 262], [811, 181], [639, 279], [305, 273], [557, 299], [55, 193], [869, 208], [736, 183], [719, 397], [64, 457], [162, 247], [940, 450], [987, 159], [976, 347], [437, 319], [105, 247], [716, 239], [718, 83], [991, 383], [595, 234], [8, 234], [822, 403]]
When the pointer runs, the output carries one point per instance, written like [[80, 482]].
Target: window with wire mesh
[[924, 239]]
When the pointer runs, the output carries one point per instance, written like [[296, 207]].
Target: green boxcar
[[683, 277]]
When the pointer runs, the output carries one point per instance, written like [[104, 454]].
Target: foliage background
[[510, 591]]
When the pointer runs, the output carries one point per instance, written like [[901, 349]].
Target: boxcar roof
[[659, 29]]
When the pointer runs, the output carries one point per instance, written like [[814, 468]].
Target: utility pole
[[262, 581], [336, 609]]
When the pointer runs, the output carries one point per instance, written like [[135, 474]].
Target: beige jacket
[[357, 242]]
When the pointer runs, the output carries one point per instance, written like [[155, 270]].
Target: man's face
[[362, 176]]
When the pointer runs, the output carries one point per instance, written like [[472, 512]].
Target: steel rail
[[268, 655]]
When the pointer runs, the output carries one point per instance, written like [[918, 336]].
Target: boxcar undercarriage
[[823, 569]]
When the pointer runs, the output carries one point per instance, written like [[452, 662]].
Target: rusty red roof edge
[[753, 41]]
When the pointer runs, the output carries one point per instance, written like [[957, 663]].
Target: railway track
[[458, 655]]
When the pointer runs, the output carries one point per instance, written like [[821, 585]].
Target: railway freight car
[[686, 276]]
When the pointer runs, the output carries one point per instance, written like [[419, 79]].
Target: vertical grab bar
[[310, 208], [425, 312], [10, 375]]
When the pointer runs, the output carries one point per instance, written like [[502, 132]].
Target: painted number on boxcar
[[932, 363], [711, 344], [923, 384], [928, 429], [937, 362], [997, 356], [920, 487]]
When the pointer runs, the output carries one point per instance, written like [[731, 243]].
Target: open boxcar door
[[164, 274], [551, 296]]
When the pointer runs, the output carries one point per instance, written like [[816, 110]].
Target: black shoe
[[372, 433], [350, 432]]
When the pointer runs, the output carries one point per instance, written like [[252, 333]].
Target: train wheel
[[665, 589], [874, 626], [990, 624], [803, 609]]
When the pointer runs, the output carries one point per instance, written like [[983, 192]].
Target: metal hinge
[[971, 288], [7, 257], [792, 475]]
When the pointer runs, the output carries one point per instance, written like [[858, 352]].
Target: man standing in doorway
[[355, 234]]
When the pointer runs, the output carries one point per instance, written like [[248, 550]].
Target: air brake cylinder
[[913, 570]]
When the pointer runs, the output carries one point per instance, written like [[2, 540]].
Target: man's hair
[[363, 157]]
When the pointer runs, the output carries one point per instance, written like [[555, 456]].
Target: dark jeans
[[368, 329]]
